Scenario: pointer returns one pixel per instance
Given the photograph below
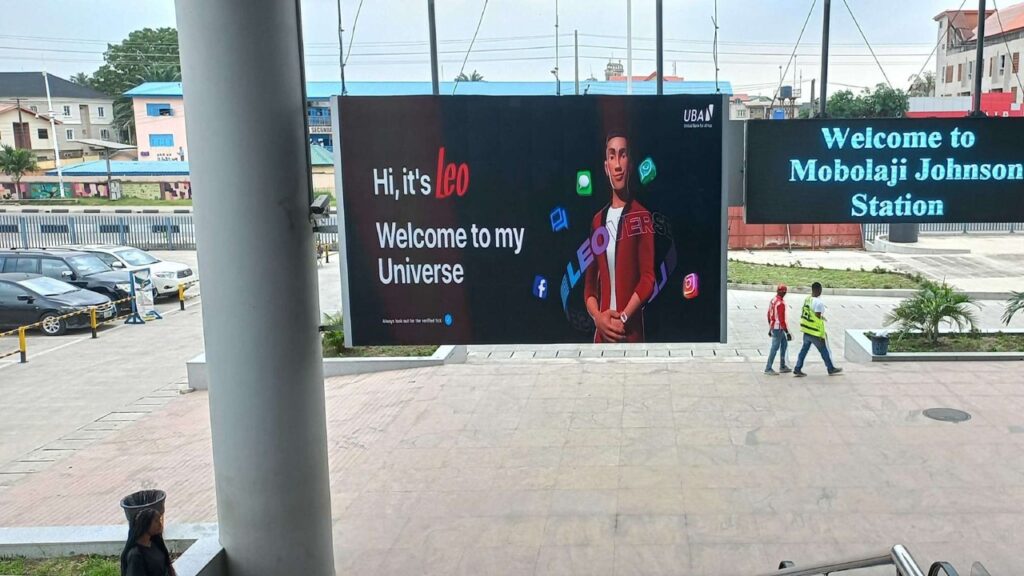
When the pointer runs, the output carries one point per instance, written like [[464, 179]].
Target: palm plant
[[1013, 305], [333, 334], [474, 76], [15, 162], [932, 305]]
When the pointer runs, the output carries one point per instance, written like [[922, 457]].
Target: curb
[[882, 245], [866, 292], [858, 349]]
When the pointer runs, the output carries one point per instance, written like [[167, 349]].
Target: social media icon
[[648, 171], [584, 185], [448, 320], [540, 287], [559, 219], [691, 286]]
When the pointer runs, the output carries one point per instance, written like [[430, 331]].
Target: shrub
[[1013, 305], [932, 305], [333, 334]]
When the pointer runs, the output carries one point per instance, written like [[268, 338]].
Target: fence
[[873, 230], [146, 231]]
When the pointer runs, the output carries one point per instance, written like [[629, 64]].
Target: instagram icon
[[691, 286]]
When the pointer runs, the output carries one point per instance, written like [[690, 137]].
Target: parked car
[[80, 269], [29, 298], [166, 275]]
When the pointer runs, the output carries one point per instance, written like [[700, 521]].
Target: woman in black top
[[145, 553]]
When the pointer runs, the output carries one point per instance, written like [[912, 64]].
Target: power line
[[942, 38], [872, 50], [795, 47], [352, 33], [470, 49]]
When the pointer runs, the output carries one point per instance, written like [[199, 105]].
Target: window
[[67, 111], [970, 70], [87, 264], [48, 286], [741, 112], [1013, 91], [27, 265], [108, 259], [69, 134], [959, 72], [161, 140], [34, 108], [158, 110], [100, 112], [991, 65], [1002, 64], [105, 134], [42, 134], [54, 268], [10, 292], [1016, 62], [949, 74]]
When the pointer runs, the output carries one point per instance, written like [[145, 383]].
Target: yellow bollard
[[181, 296], [22, 346], [92, 320]]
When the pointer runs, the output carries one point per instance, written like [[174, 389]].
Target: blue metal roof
[[126, 168], [324, 90]]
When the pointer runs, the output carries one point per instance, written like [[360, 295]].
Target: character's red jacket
[[634, 267]]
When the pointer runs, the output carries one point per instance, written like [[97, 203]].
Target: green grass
[[796, 276], [965, 342], [101, 202], [381, 351], [71, 566]]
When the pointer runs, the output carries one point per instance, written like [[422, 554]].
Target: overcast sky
[[517, 38]]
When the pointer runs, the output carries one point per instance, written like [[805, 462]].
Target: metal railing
[[897, 556], [871, 231], [146, 231]]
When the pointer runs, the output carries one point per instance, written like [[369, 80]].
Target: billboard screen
[[886, 170], [485, 220]]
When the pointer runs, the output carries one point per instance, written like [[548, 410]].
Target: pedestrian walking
[[812, 324], [778, 331], [145, 553]]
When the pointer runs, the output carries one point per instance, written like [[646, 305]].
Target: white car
[[166, 275]]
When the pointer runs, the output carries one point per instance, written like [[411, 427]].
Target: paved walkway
[[995, 262], [696, 466]]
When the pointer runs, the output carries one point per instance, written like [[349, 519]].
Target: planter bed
[[1009, 345]]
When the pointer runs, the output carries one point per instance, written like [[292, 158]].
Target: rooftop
[[324, 90], [31, 85], [1008, 19]]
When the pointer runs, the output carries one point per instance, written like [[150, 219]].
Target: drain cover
[[947, 415]]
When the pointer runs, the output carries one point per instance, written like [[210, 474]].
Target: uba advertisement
[[897, 170], [490, 220]]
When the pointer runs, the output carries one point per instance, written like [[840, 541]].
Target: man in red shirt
[[620, 281], [778, 330]]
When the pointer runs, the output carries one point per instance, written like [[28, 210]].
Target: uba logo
[[699, 116]]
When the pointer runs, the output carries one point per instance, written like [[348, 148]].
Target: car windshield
[[47, 286], [136, 257], [88, 264]]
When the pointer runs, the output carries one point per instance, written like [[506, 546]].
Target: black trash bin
[[136, 502], [879, 345]]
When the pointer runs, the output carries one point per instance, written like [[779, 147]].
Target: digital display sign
[[487, 220], [897, 170]]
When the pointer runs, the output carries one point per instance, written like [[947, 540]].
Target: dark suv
[[78, 268]]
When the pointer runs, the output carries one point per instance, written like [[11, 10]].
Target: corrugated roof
[[1011, 18], [126, 168], [31, 85], [324, 90], [320, 156]]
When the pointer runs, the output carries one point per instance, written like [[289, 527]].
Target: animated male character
[[620, 281]]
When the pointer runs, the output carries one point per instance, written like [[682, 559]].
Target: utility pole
[[558, 83], [813, 80], [659, 40], [979, 61], [823, 99], [341, 52], [629, 46], [53, 134], [433, 49], [576, 58]]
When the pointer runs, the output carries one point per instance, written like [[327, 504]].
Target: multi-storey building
[[958, 42]]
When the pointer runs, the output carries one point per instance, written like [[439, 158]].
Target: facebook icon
[[540, 287]]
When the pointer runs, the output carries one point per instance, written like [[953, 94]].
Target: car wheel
[[53, 325]]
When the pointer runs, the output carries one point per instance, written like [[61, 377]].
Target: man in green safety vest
[[812, 324]]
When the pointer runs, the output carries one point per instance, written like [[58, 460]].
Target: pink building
[[159, 121]]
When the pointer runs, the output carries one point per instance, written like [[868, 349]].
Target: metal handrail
[[945, 567], [897, 556]]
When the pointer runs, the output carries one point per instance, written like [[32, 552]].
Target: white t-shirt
[[817, 306], [612, 223]]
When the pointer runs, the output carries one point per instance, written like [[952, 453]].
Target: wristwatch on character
[[624, 318]]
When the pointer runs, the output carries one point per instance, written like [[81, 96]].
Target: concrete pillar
[[242, 69]]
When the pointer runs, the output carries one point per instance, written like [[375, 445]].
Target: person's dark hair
[[136, 528], [616, 134], [816, 288]]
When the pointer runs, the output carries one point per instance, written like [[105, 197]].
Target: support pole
[[979, 61], [629, 46], [267, 409], [576, 58], [341, 52], [558, 82], [53, 132], [659, 40], [433, 48], [823, 98]]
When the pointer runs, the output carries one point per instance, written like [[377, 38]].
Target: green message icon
[[584, 184], [647, 171]]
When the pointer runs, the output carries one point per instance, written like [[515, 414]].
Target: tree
[[1013, 305], [922, 85], [15, 162], [883, 102], [473, 77], [82, 79], [930, 307], [147, 55]]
